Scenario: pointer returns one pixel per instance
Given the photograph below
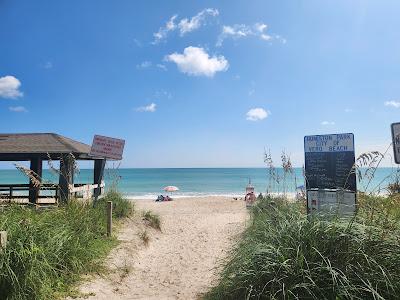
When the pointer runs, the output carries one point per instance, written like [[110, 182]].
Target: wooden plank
[[86, 187]]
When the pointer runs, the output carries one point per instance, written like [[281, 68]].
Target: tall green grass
[[48, 251], [285, 255]]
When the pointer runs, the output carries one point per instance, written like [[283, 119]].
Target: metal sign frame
[[396, 149]]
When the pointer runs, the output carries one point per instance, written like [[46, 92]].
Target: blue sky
[[201, 84]]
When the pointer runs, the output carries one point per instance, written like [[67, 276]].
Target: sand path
[[180, 262]]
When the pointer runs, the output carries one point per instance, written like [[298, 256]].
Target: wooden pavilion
[[39, 147]]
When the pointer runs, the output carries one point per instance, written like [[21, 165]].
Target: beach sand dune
[[182, 261]]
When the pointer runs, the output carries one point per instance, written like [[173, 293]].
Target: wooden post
[[66, 177], [99, 165], [3, 239], [109, 218], [36, 166]]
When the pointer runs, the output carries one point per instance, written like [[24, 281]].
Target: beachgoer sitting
[[160, 198], [167, 198]]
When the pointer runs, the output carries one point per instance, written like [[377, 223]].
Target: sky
[[201, 83]]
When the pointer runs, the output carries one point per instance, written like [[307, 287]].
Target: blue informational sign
[[329, 172], [329, 161]]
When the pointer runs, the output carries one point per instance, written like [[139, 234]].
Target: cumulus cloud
[[17, 109], [185, 25], [197, 62], [327, 123], [149, 108], [395, 104], [239, 31], [257, 114], [9, 87]]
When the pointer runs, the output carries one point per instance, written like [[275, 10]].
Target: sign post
[[396, 141], [330, 178]]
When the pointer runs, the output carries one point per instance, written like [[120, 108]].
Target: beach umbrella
[[171, 188]]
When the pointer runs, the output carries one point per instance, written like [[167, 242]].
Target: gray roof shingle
[[40, 143]]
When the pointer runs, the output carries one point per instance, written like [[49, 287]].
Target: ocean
[[148, 183]]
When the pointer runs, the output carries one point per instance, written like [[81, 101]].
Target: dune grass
[[48, 251], [152, 219], [285, 255]]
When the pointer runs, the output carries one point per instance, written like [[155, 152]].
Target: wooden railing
[[48, 193], [85, 191], [20, 192]]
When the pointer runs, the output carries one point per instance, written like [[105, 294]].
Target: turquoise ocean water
[[147, 183]]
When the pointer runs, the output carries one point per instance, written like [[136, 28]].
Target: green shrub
[[47, 251], [285, 255], [121, 207]]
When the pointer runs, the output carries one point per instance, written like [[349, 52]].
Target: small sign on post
[[109, 218], [107, 147], [330, 178], [3, 239], [396, 141]]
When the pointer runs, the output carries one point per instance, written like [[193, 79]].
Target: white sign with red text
[[107, 147]]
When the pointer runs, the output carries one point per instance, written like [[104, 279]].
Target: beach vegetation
[[285, 254], [121, 207], [153, 220], [144, 236], [49, 250]]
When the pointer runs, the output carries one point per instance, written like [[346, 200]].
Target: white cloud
[[260, 27], [327, 123], [238, 31], [185, 25], [149, 108], [144, 65], [257, 114], [18, 109], [47, 65], [195, 61], [9, 87], [280, 39], [163, 94], [137, 43], [395, 104], [348, 110], [163, 31], [162, 67], [265, 37]]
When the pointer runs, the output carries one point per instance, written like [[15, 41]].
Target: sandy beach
[[181, 261]]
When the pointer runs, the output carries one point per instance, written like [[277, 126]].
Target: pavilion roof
[[50, 144]]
